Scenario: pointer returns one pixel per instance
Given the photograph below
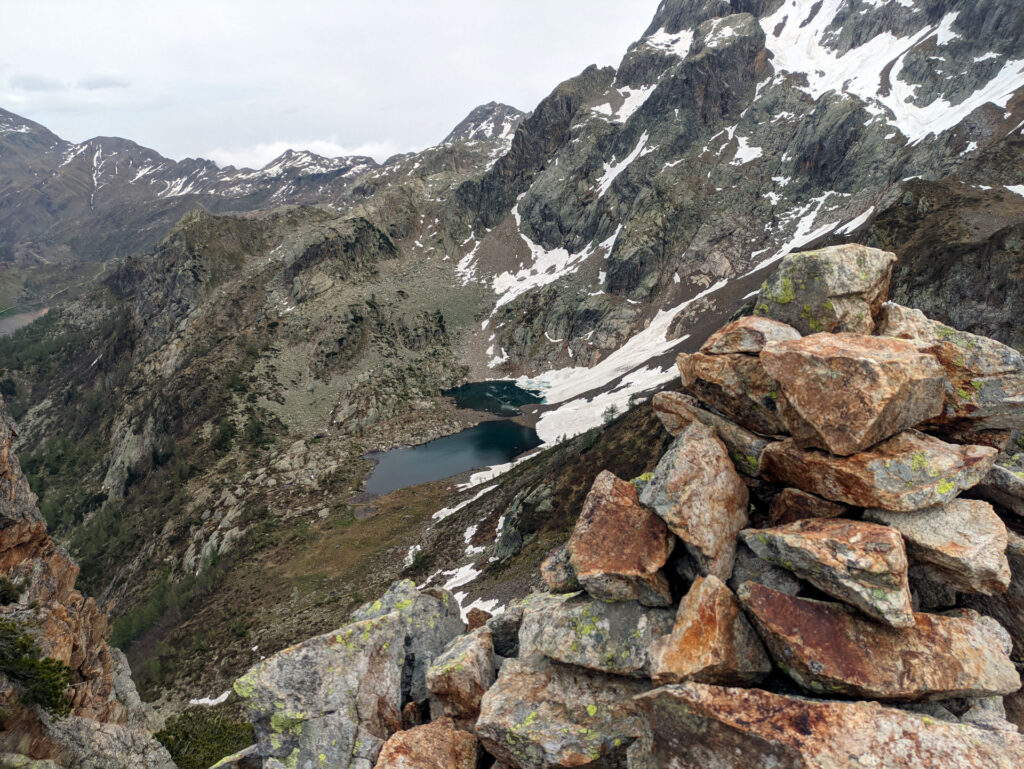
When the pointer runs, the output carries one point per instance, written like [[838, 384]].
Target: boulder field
[[819, 574]]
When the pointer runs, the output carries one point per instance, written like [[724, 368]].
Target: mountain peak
[[493, 120]]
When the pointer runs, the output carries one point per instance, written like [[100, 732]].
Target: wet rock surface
[[863, 564]]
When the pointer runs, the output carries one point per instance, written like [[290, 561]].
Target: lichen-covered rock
[[696, 490], [338, 695], [609, 637], [986, 377], [677, 410], [907, 472], [618, 547], [963, 540], [541, 715], [861, 563], [736, 385], [711, 641], [791, 505], [430, 619], [1008, 608], [459, 677], [437, 745], [748, 334], [557, 573], [247, 758], [89, 744], [846, 392], [831, 649], [834, 289], [710, 727]]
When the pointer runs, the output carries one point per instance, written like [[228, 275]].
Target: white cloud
[[258, 155]]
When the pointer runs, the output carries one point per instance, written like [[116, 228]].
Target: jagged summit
[[488, 121]]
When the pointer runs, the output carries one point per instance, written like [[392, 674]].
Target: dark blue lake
[[489, 443], [501, 396]]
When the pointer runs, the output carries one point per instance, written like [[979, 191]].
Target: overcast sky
[[239, 81]]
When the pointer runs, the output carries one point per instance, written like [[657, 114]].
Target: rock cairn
[[816, 575]]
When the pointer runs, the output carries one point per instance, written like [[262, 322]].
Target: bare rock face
[[677, 410], [437, 745], [986, 377], [618, 547], [736, 385], [711, 642], [846, 392], [541, 715], [834, 289], [696, 490], [70, 628], [460, 676], [861, 563], [609, 637], [963, 540], [830, 649], [749, 335], [695, 725], [338, 695], [751, 568], [907, 472], [1003, 487], [1007, 608], [791, 505], [557, 573]]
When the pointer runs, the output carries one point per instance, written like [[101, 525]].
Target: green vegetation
[[9, 591], [44, 681], [200, 737]]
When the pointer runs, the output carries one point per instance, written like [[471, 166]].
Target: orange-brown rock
[[710, 727], [909, 471], [437, 745], [748, 334], [791, 505], [711, 642], [736, 385], [557, 573], [677, 410], [697, 492], [458, 678], [846, 392], [963, 540], [831, 649], [476, 618], [986, 378], [618, 547], [863, 564], [68, 627]]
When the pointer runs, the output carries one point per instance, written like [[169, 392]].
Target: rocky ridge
[[855, 658]]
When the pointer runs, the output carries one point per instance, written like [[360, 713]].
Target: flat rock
[[697, 492], [835, 289], [846, 392], [338, 695], [830, 649], [541, 715], [430, 619], [963, 540], [608, 637], [556, 571], [986, 377], [791, 505], [1007, 608], [437, 745], [618, 547], [749, 335], [736, 385], [458, 678], [677, 410], [710, 727], [863, 564], [909, 471], [711, 641]]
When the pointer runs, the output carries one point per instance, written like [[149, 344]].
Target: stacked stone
[[798, 583]]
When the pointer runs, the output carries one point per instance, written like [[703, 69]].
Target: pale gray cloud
[[242, 77]]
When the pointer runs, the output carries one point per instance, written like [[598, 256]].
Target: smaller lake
[[489, 443], [12, 323], [501, 396]]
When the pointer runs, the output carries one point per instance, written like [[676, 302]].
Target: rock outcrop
[[107, 723]]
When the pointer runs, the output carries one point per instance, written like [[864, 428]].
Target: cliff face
[[106, 716]]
